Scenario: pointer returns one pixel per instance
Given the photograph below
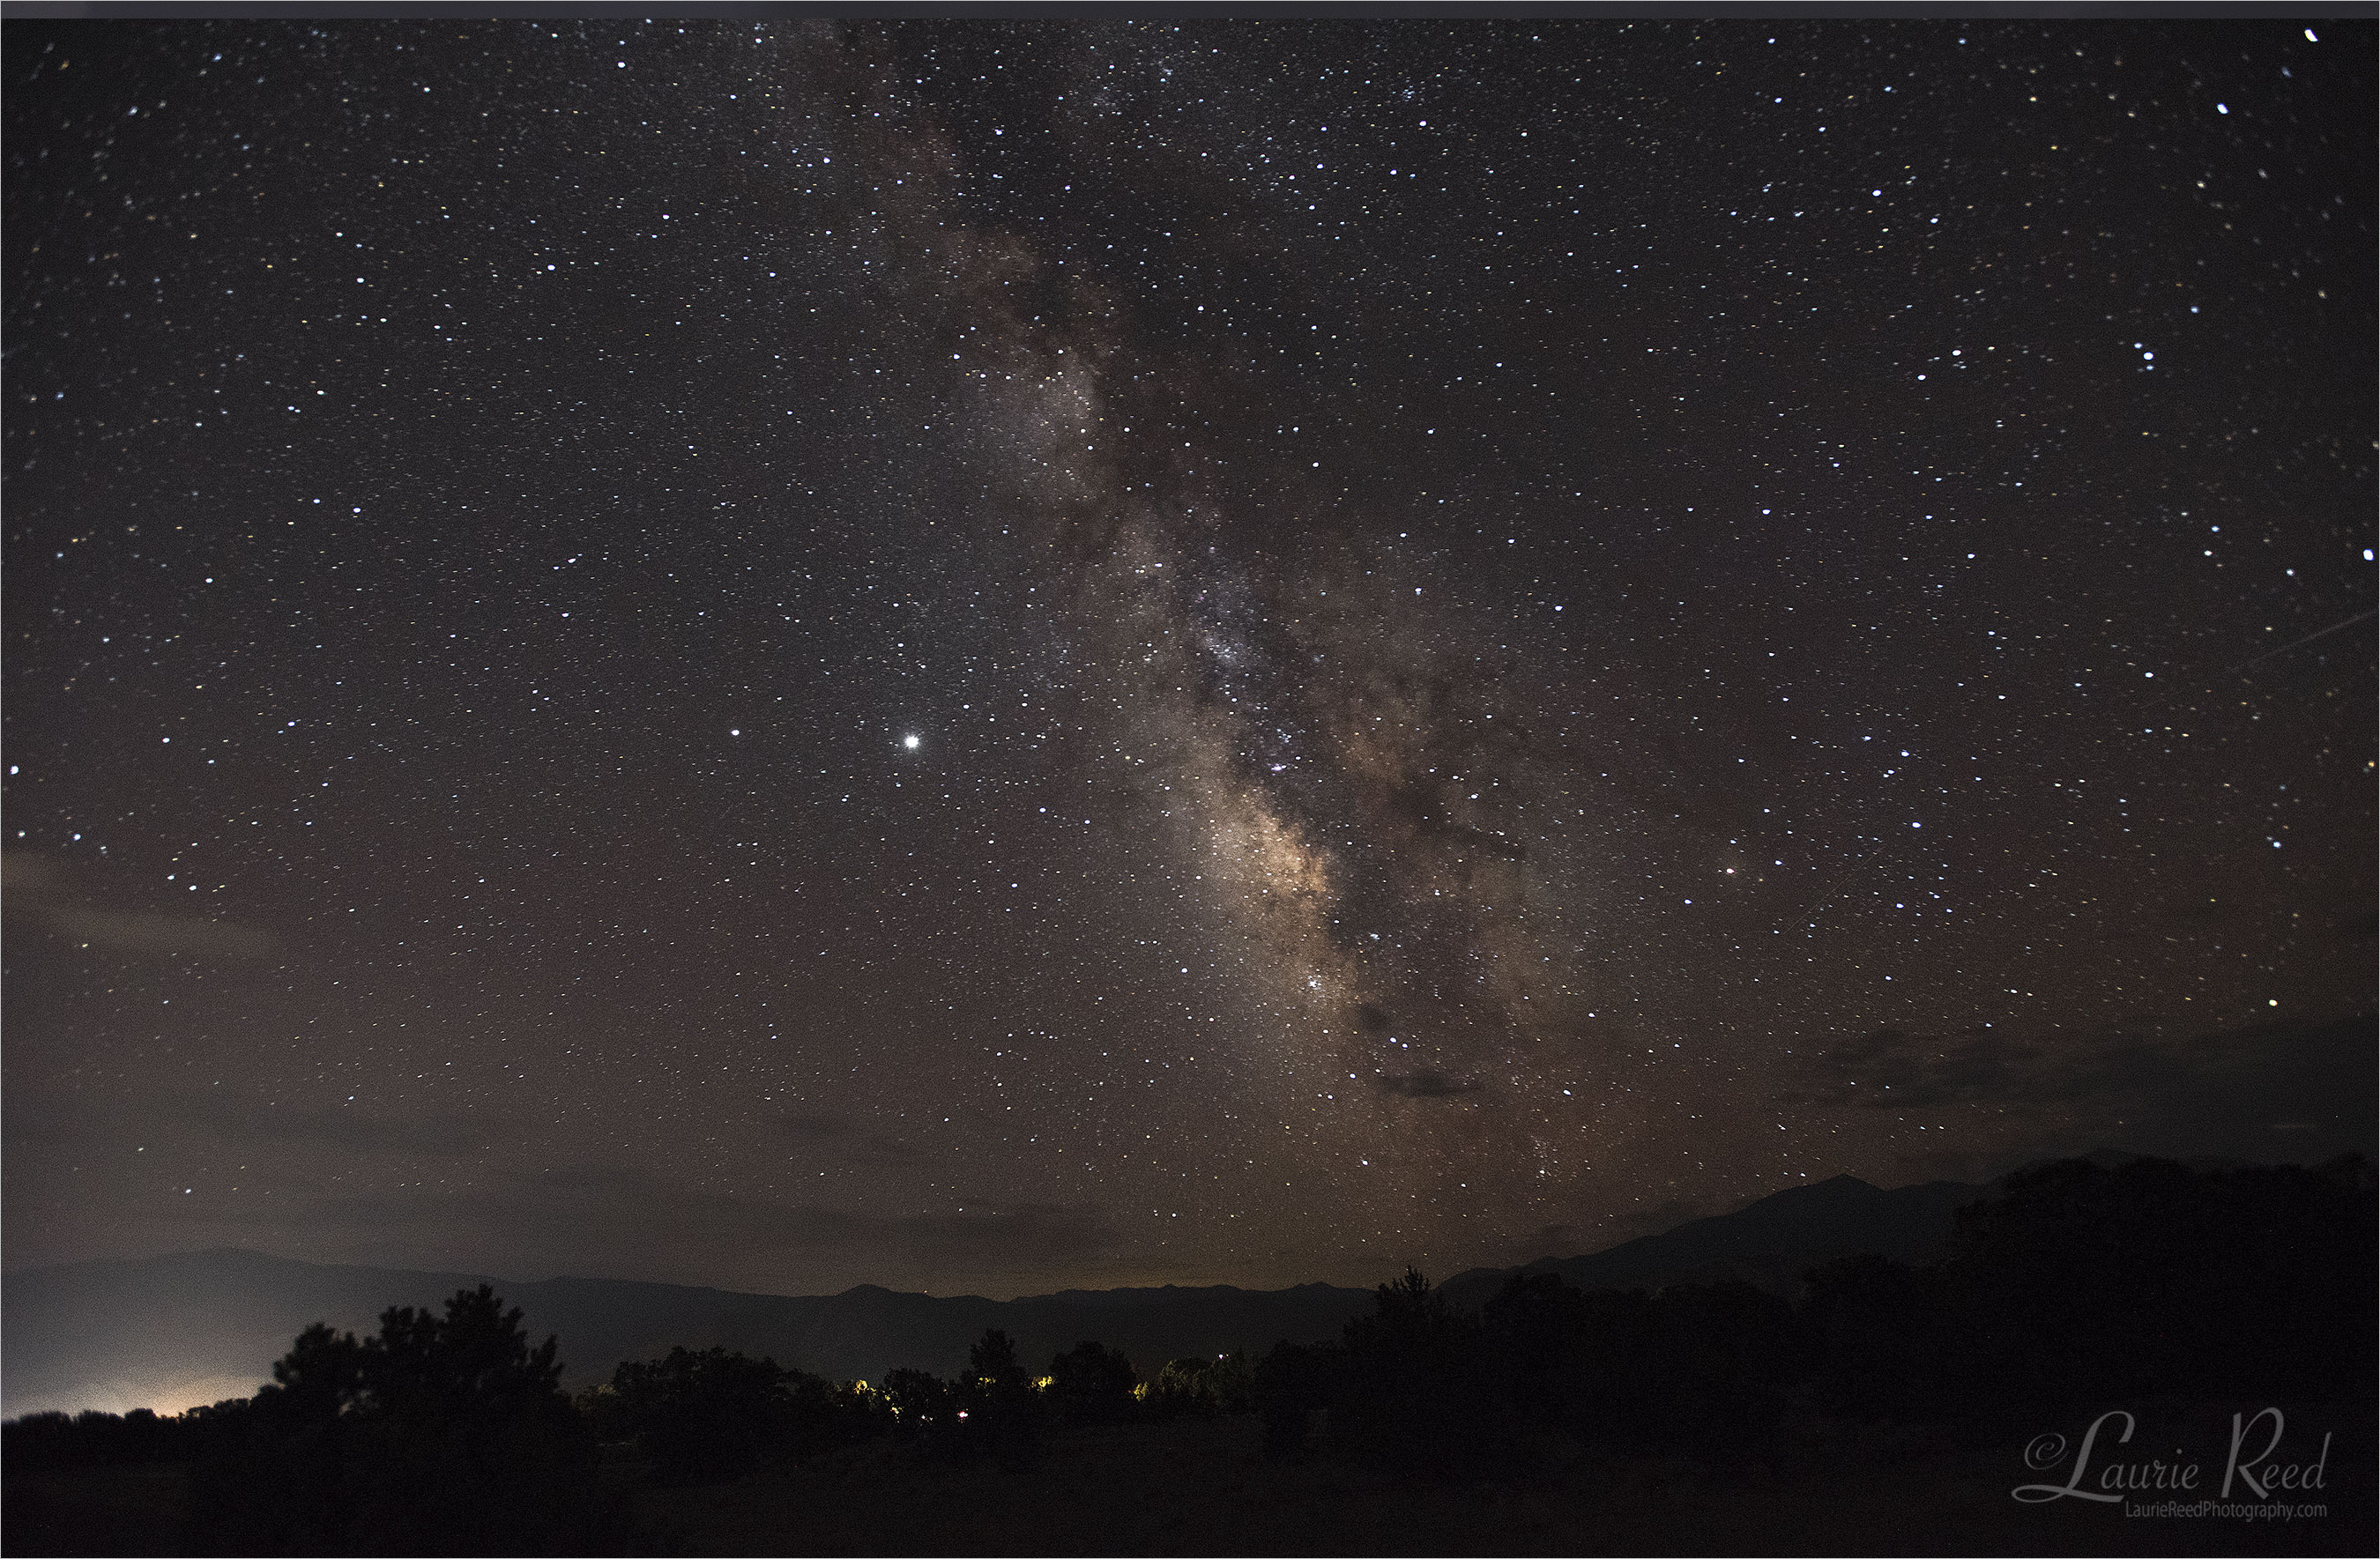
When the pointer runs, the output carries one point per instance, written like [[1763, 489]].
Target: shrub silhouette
[[1185, 1387], [443, 1435], [1721, 1357], [2081, 1284], [2076, 1287], [1203, 1387], [991, 1411], [1003, 1412], [920, 1399], [992, 1359], [1293, 1384], [1092, 1383], [1878, 1333], [713, 1416], [1535, 1333], [1413, 1391], [91, 1438], [944, 1418], [1231, 1381]]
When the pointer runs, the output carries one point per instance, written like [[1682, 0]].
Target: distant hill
[[1769, 1244], [169, 1330]]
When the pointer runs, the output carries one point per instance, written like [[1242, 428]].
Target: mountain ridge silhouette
[[171, 1330], [1769, 1243]]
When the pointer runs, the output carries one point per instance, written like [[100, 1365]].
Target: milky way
[[1316, 767], [993, 655]]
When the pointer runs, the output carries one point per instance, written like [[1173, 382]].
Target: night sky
[[999, 656]]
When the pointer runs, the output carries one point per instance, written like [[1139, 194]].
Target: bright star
[[909, 742]]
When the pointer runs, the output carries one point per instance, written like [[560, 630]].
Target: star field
[[996, 656]]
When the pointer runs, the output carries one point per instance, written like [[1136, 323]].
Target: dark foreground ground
[[1198, 1486]]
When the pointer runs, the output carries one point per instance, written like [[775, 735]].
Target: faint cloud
[[1427, 1084], [840, 1137], [2264, 1091], [444, 1136], [33, 1113], [161, 934], [1894, 1068], [615, 1219], [36, 893]]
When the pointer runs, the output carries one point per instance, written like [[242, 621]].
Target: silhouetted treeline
[[443, 1433], [42, 1441], [998, 1409], [2075, 1290], [2080, 1285], [700, 1417]]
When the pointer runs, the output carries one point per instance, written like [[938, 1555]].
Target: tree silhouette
[[992, 1359], [2076, 1288], [1091, 1383], [1880, 1337], [1414, 1394], [322, 1376], [1536, 1334], [708, 1417], [1295, 1383], [443, 1435], [2081, 1283], [92, 1438], [1231, 1380], [1182, 1387], [1003, 1411], [1721, 1356], [918, 1399]]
